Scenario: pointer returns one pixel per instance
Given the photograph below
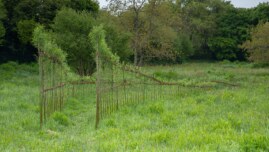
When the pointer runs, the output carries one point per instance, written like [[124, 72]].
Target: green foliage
[[2, 33], [118, 42], [117, 39], [232, 30], [223, 48], [158, 35], [71, 31], [171, 75], [2, 17], [25, 30], [21, 13], [3, 10], [184, 48], [258, 46], [40, 11], [153, 31], [61, 118], [199, 21], [44, 41], [261, 13], [97, 39], [86, 5]]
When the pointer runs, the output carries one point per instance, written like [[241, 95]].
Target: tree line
[[138, 31]]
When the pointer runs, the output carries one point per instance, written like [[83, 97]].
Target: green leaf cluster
[[97, 38], [71, 29], [43, 40], [258, 46]]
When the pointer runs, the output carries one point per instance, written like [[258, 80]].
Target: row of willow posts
[[55, 89], [120, 84], [116, 85]]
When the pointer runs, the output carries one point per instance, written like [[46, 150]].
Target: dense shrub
[[258, 46], [71, 31]]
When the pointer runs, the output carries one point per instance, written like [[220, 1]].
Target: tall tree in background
[[160, 33], [135, 8], [71, 29], [90, 6], [154, 27], [139, 30], [117, 38], [24, 15], [232, 30], [258, 46], [199, 18], [261, 13]]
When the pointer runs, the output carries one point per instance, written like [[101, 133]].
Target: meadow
[[219, 118]]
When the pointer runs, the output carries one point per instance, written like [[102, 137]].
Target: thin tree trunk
[[136, 22], [141, 59]]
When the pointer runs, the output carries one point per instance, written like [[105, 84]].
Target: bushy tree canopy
[[25, 30], [258, 46], [71, 29], [145, 31], [117, 39], [24, 15]]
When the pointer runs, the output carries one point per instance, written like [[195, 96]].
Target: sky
[[247, 3], [236, 3]]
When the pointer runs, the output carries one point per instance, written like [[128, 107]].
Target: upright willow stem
[[41, 94], [97, 87]]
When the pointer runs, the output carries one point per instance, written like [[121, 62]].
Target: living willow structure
[[57, 82], [116, 84]]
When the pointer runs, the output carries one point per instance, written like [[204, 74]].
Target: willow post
[[97, 88], [112, 87], [41, 77]]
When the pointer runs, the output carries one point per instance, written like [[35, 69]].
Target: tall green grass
[[221, 118]]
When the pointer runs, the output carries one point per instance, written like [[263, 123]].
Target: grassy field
[[222, 118]]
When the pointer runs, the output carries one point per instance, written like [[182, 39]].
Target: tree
[[25, 30], [232, 30], [183, 47], [258, 46], [23, 15], [38, 10], [20, 17], [135, 8], [199, 18], [71, 29], [223, 48], [153, 25], [261, 13], [117, 38], [44, 11], [159, 30], [90, 6], [2, 17]]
